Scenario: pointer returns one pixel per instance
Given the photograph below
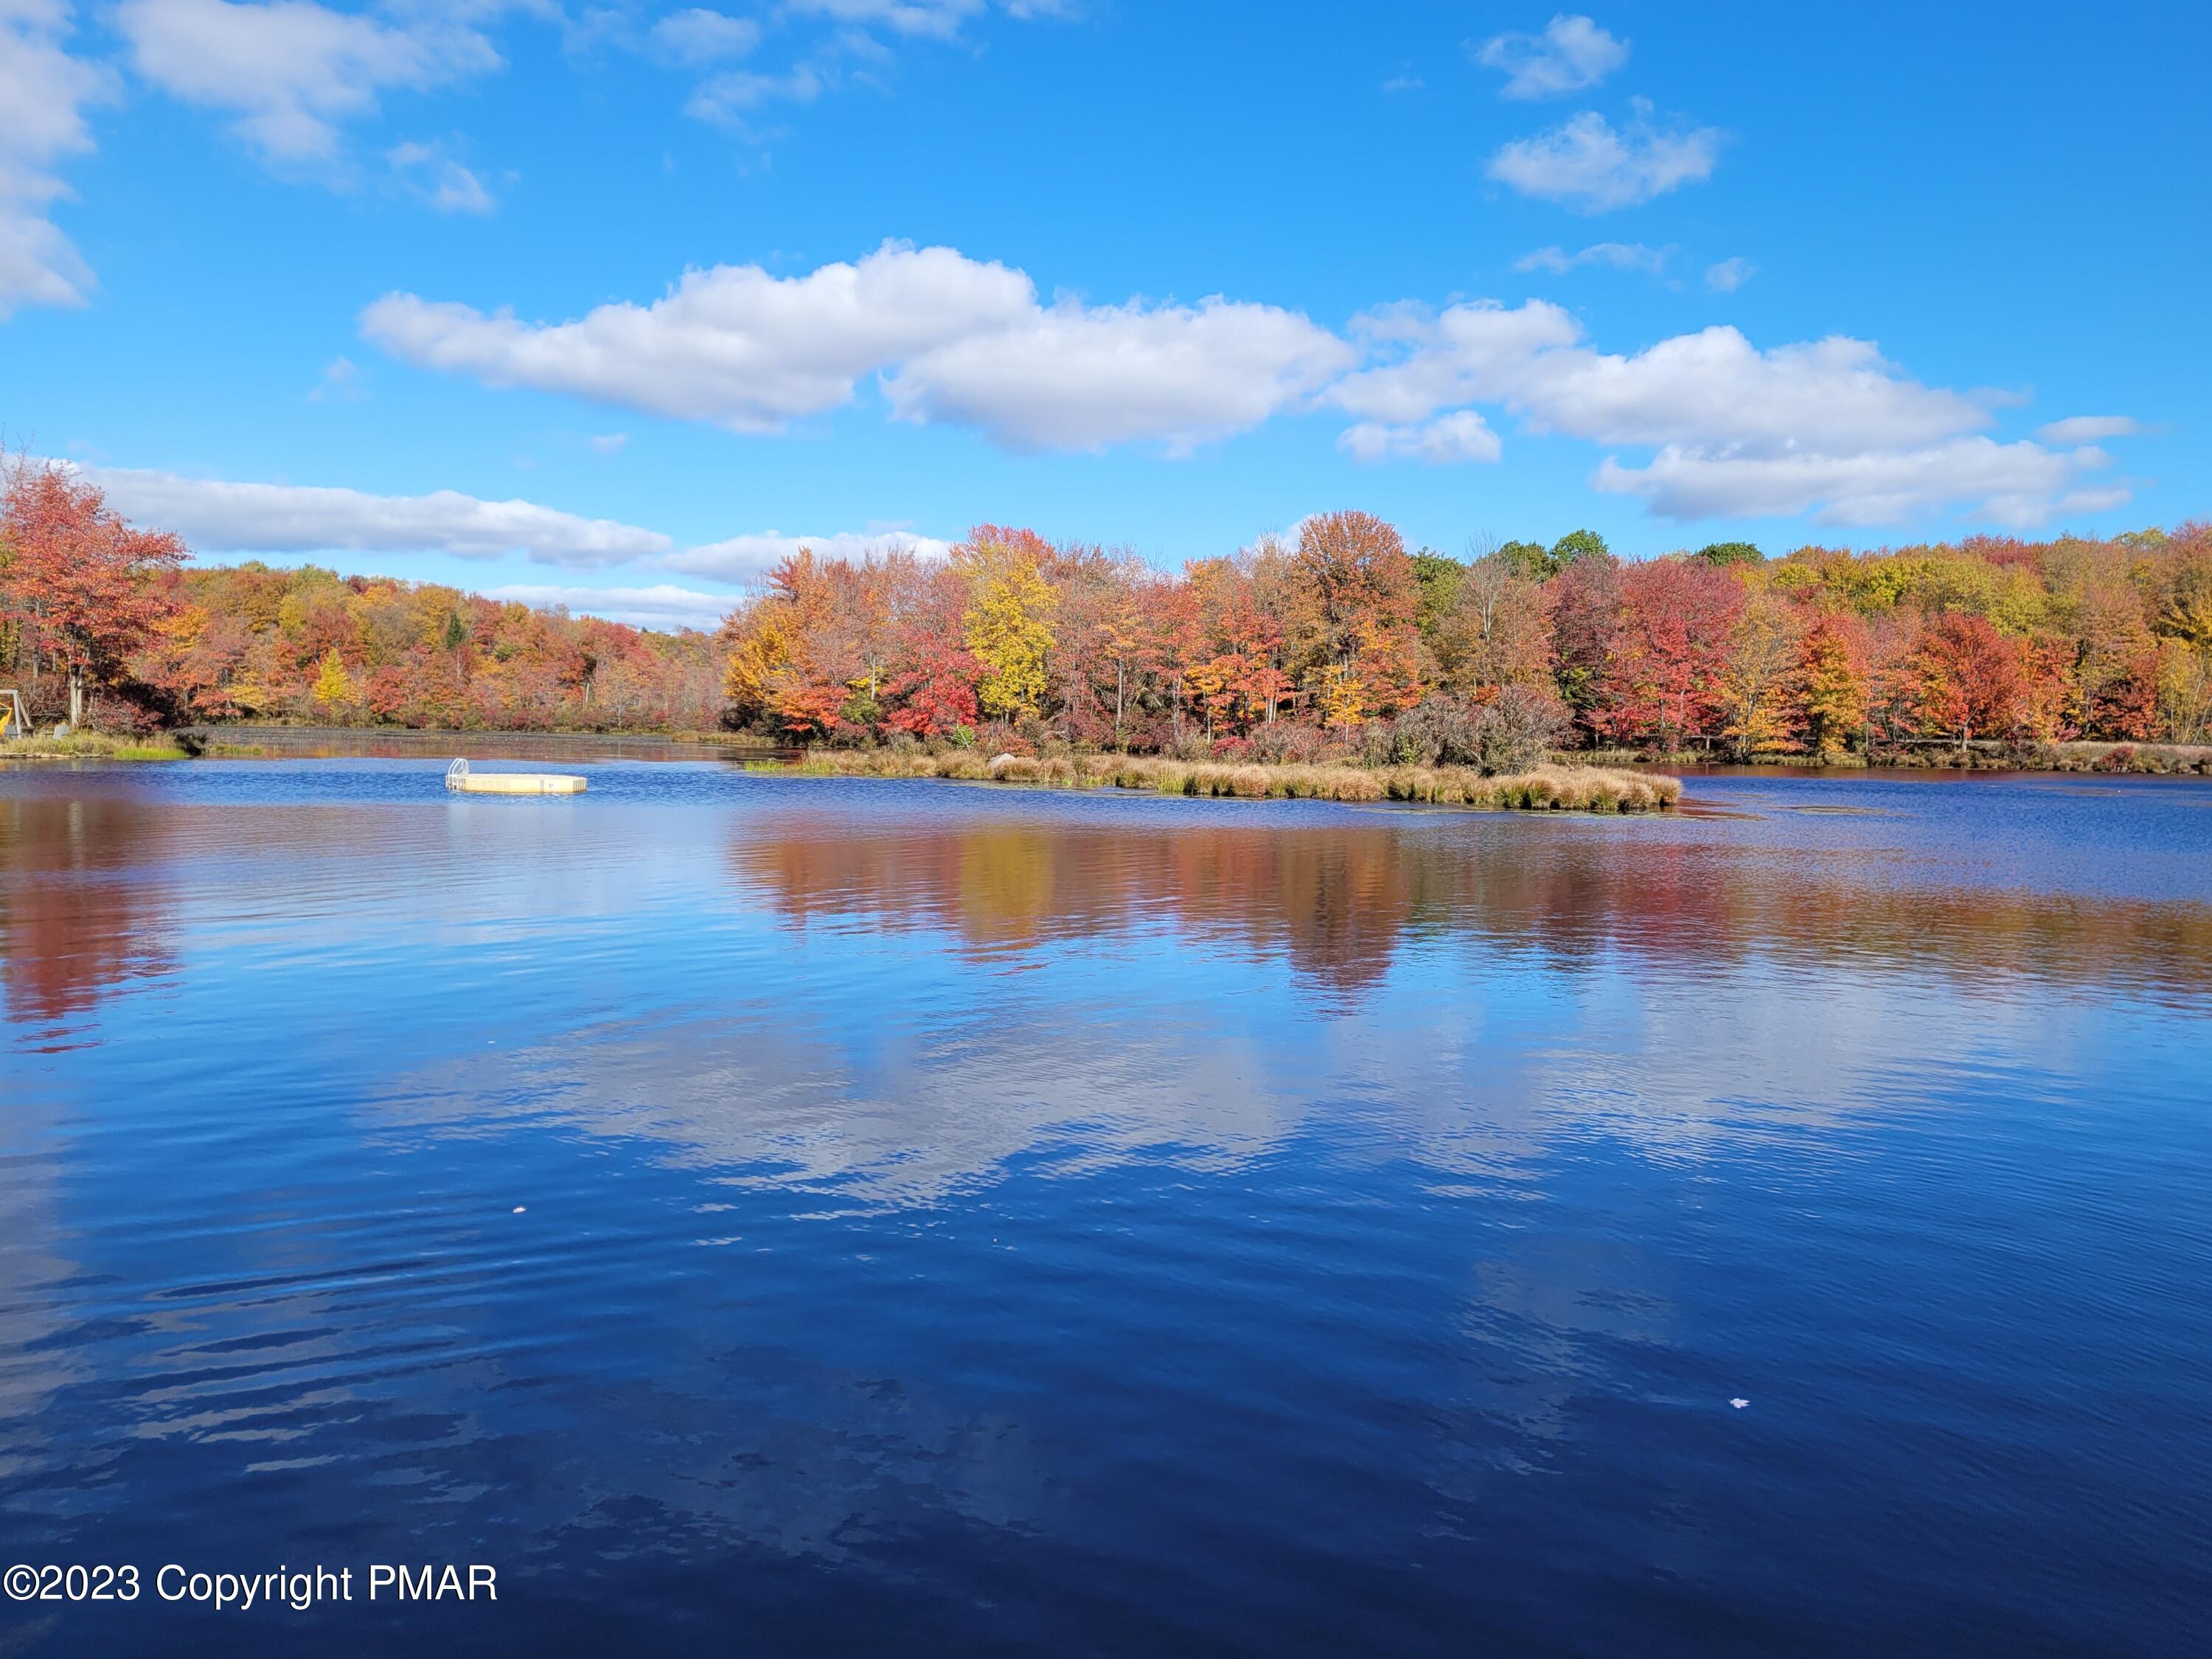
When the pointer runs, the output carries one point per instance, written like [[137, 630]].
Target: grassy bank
[[1982, 755], [1568, 789], [91, 745]]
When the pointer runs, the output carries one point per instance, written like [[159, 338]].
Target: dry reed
[[1547, 788]]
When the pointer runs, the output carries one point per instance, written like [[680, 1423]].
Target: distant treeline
[[1341, 643], [99, 615]]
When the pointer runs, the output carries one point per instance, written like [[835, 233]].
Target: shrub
[[1514, 730], [1002, 738]]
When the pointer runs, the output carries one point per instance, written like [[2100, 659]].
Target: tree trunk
[[77, 699]]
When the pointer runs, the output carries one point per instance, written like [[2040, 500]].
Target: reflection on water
[[83, 898], [816, 1216], [1339, 902]]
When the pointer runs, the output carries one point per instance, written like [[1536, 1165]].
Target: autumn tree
[[1832, 686], [1499, 631], [1661, 681], [1008, 623], [1356, 598], [1758, 692], [1587, 609], [2117, 668], [1967, 678], [1728, 553], [83, 586]]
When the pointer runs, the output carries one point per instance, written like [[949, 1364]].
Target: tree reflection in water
[[83, 901], [1339, 902]]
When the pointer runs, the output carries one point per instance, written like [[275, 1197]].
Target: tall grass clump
[[1540, 788]]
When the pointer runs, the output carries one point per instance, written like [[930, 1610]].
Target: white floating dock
[[460, 778]]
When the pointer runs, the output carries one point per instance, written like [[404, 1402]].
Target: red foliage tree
[[1968, 680], [1660, 682], [83, 585]]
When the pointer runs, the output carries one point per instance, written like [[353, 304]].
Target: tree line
[[1337, 642], [100, 619], [1341, 641]]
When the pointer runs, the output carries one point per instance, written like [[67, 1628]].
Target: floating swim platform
[[460, 780]]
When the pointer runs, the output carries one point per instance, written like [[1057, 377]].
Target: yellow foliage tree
[[1009, 616], [333, 686], [1759, 677]]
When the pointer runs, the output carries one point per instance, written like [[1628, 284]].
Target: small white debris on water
[[519, 1209], [1739, 1404]]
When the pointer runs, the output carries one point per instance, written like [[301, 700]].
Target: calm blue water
[[772, 1216]]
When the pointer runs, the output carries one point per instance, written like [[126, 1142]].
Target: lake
[[762, 1215]]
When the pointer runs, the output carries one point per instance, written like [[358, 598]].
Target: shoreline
[[271, 742]]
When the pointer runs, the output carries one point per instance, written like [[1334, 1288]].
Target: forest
[[1343, 644], [1339, 644]]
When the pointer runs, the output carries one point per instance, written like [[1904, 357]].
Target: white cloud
[[1827, 426], [610, 443], [1078, 377], [746, 558], [218, 517], [1621, 256], [2020, 484], [1713, 388], [1586, 165], [1463, 436], [2089, 429], [732, 345], [1468, 353], [43, 93], [959, 340], [727, 98], [1729, 275], [439, 180], [938, 18], [701, 36], [341, 383], [291, 71], [1571, 53], [662, 606]]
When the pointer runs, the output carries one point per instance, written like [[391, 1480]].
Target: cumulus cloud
[[747, 558], [1828, 427], [218, 517], [1571, 53], [44, 92], [1078, 377], [2019, 484], [732, 345], [1712, 388], [1728, 275], [2088, 429], [292, 70], [959, 340], [1587, 165], [1621, 256], [662, 606], [1463, 436], [1730, 429]]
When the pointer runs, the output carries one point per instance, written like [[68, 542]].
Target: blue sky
[[612, 304]]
